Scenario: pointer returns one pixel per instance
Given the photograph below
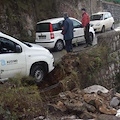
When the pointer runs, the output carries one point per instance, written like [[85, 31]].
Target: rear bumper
[[48, 45]]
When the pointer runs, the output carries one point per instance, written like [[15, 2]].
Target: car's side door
[[111, 21], [78, 31], [106, 21], [11, 60]]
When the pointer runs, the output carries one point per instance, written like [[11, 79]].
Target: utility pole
[[90, 7]]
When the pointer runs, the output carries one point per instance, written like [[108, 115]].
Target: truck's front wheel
[[38, 73]]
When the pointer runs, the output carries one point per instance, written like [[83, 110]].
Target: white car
[[49, 35], [102, 21], [24, 58]]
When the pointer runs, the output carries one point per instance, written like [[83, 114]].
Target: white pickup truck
[[24, 58]]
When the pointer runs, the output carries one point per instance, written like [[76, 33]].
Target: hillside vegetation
[[18, 18]]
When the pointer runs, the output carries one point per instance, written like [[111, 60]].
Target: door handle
[[2, 71], [74, 30]]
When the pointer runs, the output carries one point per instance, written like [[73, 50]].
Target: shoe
[[86, 46], [90, 44]]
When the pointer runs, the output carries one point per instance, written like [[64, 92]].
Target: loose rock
[[95, 89], [107, 117], [114, 102]]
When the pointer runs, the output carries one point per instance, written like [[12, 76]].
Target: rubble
[[88, 103], [107, 117]]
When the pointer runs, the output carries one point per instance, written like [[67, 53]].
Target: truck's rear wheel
[[38, 73]]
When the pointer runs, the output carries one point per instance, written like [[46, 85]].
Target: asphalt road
[[58, 55]]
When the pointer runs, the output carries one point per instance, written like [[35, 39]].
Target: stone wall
[[113, 8], [107, 74]]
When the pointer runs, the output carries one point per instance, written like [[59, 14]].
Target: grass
[[20, 100]]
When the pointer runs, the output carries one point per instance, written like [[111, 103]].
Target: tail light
[[51, 32]]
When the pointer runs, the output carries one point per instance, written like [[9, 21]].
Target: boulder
[[95, 89], [109, 111], [107, 117], [60, 106], [114, 102]]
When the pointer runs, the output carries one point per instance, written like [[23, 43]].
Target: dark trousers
[[68, 45], [86, 34]]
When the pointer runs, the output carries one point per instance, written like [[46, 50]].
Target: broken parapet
[[85, 104]]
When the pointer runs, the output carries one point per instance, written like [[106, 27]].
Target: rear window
[[43, 27]]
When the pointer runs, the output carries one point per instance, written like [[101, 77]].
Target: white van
[[49, 35], [102, 21], [24, 58]]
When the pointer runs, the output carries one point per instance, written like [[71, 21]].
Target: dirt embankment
[[75, 72]]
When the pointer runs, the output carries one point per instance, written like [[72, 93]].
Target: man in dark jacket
[[68, 32], [86, 25]]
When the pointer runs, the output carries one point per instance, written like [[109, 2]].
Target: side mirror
[[105, 18], [81, 26], [18, 49]]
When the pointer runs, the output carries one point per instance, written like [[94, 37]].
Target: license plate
[[42, 37]]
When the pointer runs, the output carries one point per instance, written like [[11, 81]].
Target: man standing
[[86, 25], [68, 32]]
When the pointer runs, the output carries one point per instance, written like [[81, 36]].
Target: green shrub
[[20, 99]]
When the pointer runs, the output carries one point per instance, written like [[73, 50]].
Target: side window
[[76, 24], [57, 27], [109, 15], [7, 46], [106, 16]]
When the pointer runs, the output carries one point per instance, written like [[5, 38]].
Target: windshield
[[96, 17]]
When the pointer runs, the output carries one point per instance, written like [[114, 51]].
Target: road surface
[[59, 55]]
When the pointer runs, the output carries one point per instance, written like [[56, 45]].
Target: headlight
[[91, 24], [98, 24]]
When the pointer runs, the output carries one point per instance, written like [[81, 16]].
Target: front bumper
[[51, 65]]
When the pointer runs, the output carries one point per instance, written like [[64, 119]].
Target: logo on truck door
[[3, 63], [9, 62]]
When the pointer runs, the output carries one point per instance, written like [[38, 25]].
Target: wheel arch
[[59, 40], [102, 26], [90, 33], [42, 63]]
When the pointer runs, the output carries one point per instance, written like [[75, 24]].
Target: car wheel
[[103, 29], [38, 73], [91, 37], [59, 45], [112, 27]]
